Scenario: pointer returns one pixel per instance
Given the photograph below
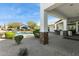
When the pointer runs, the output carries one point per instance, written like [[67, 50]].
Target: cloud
[[38, 4], [6, 16], [35, 14], [38, 23], [52, 20], [20, 12]]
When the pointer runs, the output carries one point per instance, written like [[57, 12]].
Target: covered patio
[[68, 14]]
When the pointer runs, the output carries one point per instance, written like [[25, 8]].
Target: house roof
[[58, 21]]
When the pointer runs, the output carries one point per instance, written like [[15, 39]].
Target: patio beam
[[65, 29], [55, 26], [77, 27]]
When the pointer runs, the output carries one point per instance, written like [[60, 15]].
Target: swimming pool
[[23, 33]]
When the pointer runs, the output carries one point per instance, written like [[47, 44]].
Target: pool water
[[22, 33], [25, 34]]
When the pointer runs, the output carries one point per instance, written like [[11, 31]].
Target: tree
[[32, 25], [14, 25]]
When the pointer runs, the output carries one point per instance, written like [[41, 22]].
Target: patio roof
[[62, 10]]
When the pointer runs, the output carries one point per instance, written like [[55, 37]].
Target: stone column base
[[44, 37]]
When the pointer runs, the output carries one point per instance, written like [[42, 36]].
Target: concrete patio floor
[[56, 47]]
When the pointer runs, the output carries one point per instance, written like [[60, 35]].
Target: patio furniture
[[57, 32], [61, 33], [74, 37], [65, 34], [69, 33]]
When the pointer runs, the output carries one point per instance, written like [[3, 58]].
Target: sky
[[52, 19], [21, 12]]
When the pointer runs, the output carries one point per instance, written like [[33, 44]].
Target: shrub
[[9, 35], [36, 33], [18, 39]]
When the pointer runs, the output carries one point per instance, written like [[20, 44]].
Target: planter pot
[[69, 33], [18, 39]]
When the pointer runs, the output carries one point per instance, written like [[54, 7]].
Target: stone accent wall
[[44, 37]]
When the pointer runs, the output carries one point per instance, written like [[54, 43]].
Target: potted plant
[[18, 39], [9, 35], [36, 33]]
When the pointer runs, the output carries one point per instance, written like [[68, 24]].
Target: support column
[[77, 27], [44, 28], [65, 32], [55, 26], [65, 24]]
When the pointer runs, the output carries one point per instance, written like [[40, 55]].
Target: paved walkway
[[56, 47]]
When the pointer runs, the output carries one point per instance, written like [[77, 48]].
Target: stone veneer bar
[[44, 38]]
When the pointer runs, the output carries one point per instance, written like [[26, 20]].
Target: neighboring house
[[71, 25], [51, 28], [24, 27], [59, 25], [4, 27]]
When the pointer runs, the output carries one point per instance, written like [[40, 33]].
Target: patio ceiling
[[65, 9]]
